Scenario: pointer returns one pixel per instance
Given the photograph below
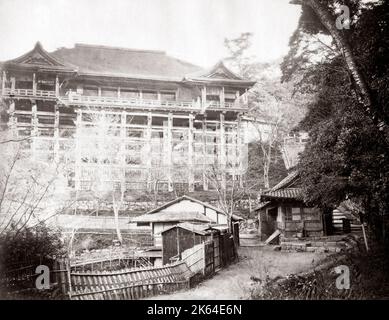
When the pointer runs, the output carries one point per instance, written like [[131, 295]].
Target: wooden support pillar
[[34, 84], [123, 122], [169, 144], [205, 159], [222, 97], [245, 98], [77, 169], [222, 150], [56, 86], [119, 92], [239, 151], [56, 133], [99, 91], [204, 98], [34, 128], [12, 120], [13, 83], [190, 154], [140, 94], [148, 152], [237, 95]]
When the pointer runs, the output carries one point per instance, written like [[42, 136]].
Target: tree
[[347, 156], [31, 191], [102, 150], [270, 102], [325, 12]]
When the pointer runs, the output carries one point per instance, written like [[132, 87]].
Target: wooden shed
[[183, 236], [184, 209], [283, 211]]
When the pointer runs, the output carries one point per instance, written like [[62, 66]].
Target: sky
[[191, 30]]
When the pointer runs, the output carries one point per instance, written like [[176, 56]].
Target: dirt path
[[234, 282]]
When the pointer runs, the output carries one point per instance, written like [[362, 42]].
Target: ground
[[235, 281]]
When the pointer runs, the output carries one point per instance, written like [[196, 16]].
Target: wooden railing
[[226, 105], [28, 93], [75, 99], [147, 103]]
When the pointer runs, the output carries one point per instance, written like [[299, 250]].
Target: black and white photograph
[[197, 150]]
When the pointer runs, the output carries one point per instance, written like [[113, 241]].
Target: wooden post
[[56, 86], [239, 151], [119, 92], [148, 151], [204, 140], [77, 171], [222, 151], [204, 259], [99, 91], [56, 133], [34, 126], [13, 84], [203, 98], [123, 122], [169, 151], [12, 122], [222, 97], [178, 241], [190, 154], [34, 84]]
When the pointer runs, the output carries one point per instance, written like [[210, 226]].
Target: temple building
[[131, 119]]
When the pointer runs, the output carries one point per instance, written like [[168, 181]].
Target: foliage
[[274, 107], [347, 155], [369, 279], [29, 246], [31, 191]]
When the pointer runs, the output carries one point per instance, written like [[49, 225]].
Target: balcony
[[75, 99], [215, 105], [28, 93]]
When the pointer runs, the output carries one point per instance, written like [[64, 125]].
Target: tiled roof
[[285, 193], [111, 61], [262, 205], [290, 180], [172, 217]]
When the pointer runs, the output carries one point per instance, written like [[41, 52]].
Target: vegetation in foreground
[[369, 279]]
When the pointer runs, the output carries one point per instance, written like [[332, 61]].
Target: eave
[[37, 68], [111, 76], [226, 82]]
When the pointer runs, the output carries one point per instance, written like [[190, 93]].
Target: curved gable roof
[[40, 58], [112, 61]]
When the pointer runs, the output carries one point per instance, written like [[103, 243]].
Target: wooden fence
[[20, 278], [128, 284], [194, 258], [206, 257]]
